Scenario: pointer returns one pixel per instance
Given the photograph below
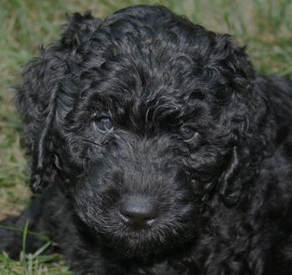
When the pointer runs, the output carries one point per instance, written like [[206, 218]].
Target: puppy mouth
[[143, 236], [146, 242], [137, 221], [140, 226]]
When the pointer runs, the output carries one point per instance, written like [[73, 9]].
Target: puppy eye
[[189, 134], [103, 125]]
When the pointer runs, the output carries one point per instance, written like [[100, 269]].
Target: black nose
[[139, 212]]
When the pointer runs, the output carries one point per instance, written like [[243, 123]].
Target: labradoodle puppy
[[158, 150]]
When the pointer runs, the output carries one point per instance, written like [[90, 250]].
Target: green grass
[[32, 263], [264, 25]]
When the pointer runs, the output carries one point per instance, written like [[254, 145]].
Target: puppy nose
[[138, 212]]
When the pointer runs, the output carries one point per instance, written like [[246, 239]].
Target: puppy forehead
[[146, 70], [125, 82], [153, 37], [142, 62]]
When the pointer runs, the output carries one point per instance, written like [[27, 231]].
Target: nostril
[[138, 214], [138, 211]]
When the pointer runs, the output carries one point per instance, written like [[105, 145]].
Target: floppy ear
[[37, 101], [42, 102], [248, 117], [255, 143], [243, 166]]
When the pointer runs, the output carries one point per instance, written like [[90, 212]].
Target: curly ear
[[249, 118], [43, 99], [37, 103], [254, 143]]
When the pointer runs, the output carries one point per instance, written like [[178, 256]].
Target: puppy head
[[144, 118]]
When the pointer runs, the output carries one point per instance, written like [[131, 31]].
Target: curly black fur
[[159, 150]]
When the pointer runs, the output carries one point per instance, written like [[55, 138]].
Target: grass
[[33, 263], [264, 25]]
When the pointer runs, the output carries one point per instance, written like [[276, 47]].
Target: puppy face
[[143, 143], [141, 119]]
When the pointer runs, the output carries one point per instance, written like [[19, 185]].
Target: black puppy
[[159, 150]]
